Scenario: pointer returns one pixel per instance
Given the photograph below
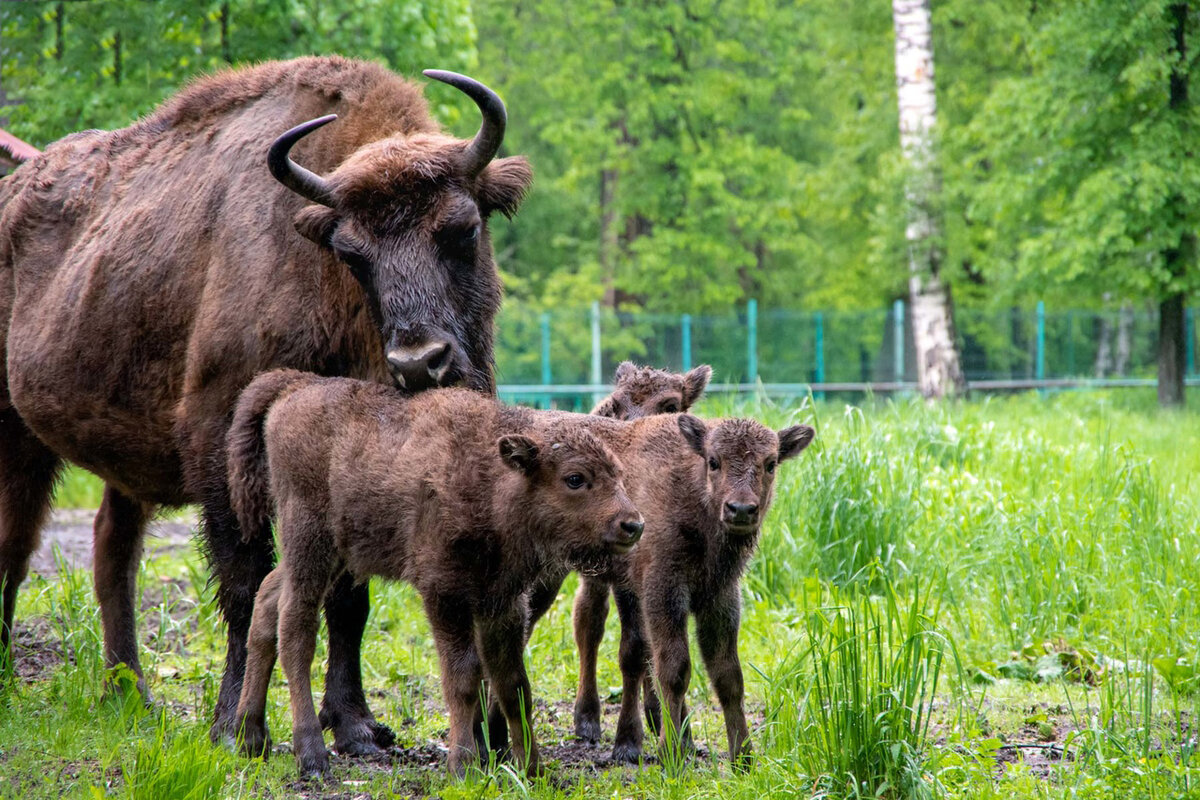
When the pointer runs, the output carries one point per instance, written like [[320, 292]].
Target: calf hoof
[[587, 724], [313, 765], [627, 753], [254, 739], [357, 739]]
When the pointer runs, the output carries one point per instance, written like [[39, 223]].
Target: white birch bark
[[939, 369]]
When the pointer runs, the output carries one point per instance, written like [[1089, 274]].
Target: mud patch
[[37, 649], [70, 531]]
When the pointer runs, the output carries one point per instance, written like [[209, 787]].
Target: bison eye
[[575, 481], [669, 407], [713, 464], [461, 242], [770, 467]]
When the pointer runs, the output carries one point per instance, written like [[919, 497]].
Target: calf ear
[[316, 223], [503, 184], [794, 439], [624, 370], [694, 432], [694, 384], [519, 452], [606, 408]]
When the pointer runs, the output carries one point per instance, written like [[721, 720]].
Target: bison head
[[408, 216]]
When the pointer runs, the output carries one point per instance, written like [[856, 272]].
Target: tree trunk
[[1124, 340], [608, 235], [1179, 260], [939, 367]]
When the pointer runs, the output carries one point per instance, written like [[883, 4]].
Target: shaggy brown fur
[[702, 523], [148, 273], [465, 499]]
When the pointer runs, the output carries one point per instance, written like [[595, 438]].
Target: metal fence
[[566, 357]]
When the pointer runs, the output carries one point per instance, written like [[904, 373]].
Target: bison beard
[[148, 274]]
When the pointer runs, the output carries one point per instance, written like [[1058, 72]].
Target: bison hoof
[[313, 766], [359, 748], [384, 736], [255, 740], [626, 753], [588, 729]]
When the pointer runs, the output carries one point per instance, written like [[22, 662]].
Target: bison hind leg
[[27, 473]]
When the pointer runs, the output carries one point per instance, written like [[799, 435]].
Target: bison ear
[[694, 432], [625, 369], [605, 408], [502, 186], [317, 224], [694, 384], [794, 439], [519, 452]]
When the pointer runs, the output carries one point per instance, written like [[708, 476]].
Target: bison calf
[[465, 499], [702, 525]]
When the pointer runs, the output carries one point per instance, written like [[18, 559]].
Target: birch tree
[[939, 370]]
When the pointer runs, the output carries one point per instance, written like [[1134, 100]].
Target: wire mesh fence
[[565, 357]]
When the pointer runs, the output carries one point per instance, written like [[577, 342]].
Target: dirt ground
[[70, 530]]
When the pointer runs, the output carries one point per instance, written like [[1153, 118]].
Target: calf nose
[[421, 366], [741, 513], [634, 528]]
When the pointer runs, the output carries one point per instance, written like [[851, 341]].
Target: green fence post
[[819, 347], [1189, 319], [751, 340], [1040, 355], [545, 325], [898, 341], [685, 335], [596, 398]]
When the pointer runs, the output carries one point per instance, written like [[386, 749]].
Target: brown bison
[[465, 499], [702, 524], [148, 274]]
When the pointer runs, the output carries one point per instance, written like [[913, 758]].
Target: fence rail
[[564, 357]]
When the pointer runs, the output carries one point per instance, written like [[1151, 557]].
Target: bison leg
[[119, 526], [717, 630], [462, 675], [501, 642], [666, 622], [240, 568], [299, 620], [589, 615], [633, 658], [27, 472], [261, 652], [344, 708]]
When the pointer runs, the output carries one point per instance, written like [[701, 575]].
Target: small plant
[[861, 693]]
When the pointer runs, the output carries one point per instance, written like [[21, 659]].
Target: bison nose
[[741, 513], [634, 528], [420, 367]]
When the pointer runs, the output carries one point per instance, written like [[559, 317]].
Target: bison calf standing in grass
[[465, 499], [702, 523]]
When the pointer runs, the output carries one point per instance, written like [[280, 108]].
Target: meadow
[[991, 599]]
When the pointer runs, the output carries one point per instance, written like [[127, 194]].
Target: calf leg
[[717, 630], [628, 745], [119, 527], [261, 651], [501, 644], [27, 472], [589, 616], [666, 621], [299, 619], [344, 708], [462, 675]]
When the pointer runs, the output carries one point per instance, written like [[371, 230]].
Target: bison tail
[[249, 480]]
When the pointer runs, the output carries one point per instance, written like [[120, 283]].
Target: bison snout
[[741, 515], [628, 532], [422, 366]]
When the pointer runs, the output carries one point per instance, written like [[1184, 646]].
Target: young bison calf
[[702, 524], [465, 499]]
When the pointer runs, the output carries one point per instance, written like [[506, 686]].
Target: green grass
[[1031, 564]]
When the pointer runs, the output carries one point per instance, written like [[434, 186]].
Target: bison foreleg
[[27, 472], [589, 615], [119, 527], [344, 709]]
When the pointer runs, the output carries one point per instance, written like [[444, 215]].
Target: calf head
[[740, 460], [645, 391], [408, 217], [576, 492]]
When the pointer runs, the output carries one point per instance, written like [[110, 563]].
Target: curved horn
[[291, 174], [491, 133]]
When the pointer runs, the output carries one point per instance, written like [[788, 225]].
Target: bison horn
[[291, 174], [491, 133]]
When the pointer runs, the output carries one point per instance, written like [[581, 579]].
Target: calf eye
[[575, 481], [669, 407], [770, 467], [713, 464]]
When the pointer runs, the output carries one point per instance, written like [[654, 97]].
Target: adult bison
[[147, 274]]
